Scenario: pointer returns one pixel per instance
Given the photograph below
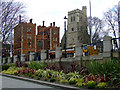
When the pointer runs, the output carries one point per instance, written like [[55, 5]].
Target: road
[[7, 82]]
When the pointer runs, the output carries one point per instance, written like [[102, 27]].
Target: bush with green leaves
[[6, 66], [91, 84], [102, 85], [109, 69], [36, 65], [104, 68]]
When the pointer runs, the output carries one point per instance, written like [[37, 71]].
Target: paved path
[[15, 83]]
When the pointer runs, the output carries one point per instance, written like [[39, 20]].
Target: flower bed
[[95, 79], [73, 79]]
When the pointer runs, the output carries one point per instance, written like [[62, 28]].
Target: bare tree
[[97, 29], [111, 18], [9, 15]]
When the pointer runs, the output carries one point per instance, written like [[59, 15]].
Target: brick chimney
[[30, 20], [53, 24], [43, 23]]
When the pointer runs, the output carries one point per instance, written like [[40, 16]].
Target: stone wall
[[78, 58]]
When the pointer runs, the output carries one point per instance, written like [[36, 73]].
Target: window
[[28, 52], [29, 44], [54, 39], [74, 18], [40, 44], [55, 45], [81, 27], [54, 32], [72, 29], [28, 29], [71, 19], [29, 36]]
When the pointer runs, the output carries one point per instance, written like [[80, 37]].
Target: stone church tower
[[77, 27]]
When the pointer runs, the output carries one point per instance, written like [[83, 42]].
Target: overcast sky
[[55, 10]]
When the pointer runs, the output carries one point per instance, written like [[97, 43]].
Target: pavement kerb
[[43, 82]]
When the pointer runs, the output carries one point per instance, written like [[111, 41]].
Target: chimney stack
[[53, 24], [30, 20], [19, 19], [50, 24], [43, 23]]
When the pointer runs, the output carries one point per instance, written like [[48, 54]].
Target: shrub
[[102, 85], [36, 65], [6, 66], [38, 78], [91, 84], [104, 68], [80, 84], [52, 80], [21, 64], [63, 81], [39, 75], [72, 81]]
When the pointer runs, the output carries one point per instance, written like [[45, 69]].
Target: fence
[[74, 53]]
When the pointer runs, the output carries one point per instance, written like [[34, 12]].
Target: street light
[[65, 35], [11, 45], [119, 20], [90, 23], [0, 47]]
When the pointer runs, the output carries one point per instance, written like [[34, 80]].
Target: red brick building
[[47, 37], [26, 40]]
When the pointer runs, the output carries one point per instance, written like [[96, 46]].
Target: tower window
[[74, 18], [81, 27], [72, 29], [71, 19]]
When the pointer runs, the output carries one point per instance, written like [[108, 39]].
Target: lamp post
[[119, 20], [11, 46], [65, 36], [90, 27], [0, 47]]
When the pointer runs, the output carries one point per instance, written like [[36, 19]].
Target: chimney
[[50, 24], [19, 18], [43, 23], [53, 24], [30, 20]]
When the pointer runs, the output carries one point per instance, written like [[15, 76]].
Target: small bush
[[63, 81], [91, 84], [5, 66], [52, 80], [102, 85], [36, 65]]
